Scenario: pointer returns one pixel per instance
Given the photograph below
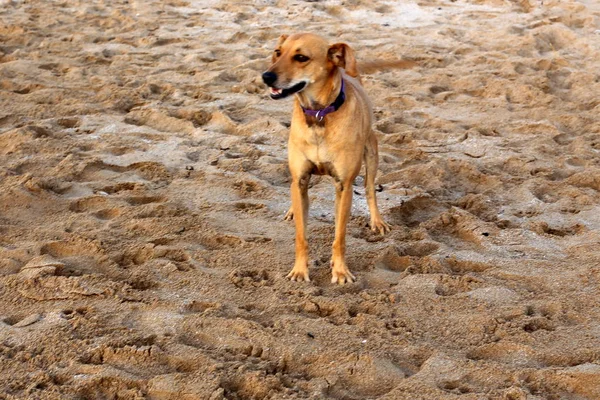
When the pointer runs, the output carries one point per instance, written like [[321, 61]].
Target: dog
[[330, 134]]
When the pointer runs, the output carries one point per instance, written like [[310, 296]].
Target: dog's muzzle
[[269, 78]]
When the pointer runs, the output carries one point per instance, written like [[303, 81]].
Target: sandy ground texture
[[143, 174]]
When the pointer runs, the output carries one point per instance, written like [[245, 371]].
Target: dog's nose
[[269, 77]]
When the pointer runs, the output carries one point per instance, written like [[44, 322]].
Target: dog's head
[[303, 60]]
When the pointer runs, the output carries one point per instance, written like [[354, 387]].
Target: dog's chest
[[317, 148]]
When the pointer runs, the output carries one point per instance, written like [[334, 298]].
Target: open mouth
[[281, 93]]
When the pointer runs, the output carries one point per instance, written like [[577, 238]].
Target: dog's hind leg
[[371, 157], [289, 215]]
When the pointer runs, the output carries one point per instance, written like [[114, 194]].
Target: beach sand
[[144, 180]]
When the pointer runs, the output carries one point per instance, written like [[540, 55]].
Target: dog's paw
[[289, 215], [379, 225], [298, 275], [341, 274]]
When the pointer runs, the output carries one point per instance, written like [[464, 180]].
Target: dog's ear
[[342, 56], [281, 39]]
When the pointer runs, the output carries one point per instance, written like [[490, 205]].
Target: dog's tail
[[369, 67]]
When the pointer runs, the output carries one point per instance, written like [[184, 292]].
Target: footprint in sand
[[101, 171], [90, 204], [250, 278], [416, 210]]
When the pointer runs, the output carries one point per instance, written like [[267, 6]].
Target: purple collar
[[320, 114]]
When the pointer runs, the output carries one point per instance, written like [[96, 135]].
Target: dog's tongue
[[275, 91]]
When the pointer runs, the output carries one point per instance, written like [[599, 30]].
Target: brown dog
[[330, 135]]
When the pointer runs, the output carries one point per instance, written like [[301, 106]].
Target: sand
[[143, 184]]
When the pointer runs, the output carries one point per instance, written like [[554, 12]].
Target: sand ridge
[[143, 183]]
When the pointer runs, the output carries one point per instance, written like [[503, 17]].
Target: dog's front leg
[[299, 191], [343, 203]]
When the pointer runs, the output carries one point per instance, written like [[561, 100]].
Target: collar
[[320, 114]]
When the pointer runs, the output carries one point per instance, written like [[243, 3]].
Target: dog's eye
[[301, 58], [277, 53]]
